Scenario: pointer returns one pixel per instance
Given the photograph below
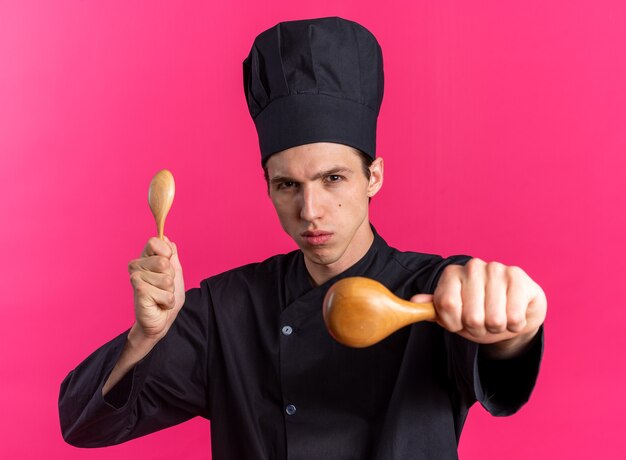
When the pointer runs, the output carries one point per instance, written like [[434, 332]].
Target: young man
[[248, 349]]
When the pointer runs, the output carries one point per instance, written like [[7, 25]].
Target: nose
[[311, 209]]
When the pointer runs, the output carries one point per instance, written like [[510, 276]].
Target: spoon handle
[[161, 228]]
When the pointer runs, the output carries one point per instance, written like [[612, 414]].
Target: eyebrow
[[319, 175]]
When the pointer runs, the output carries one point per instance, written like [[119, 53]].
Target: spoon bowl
[[360, 312], [160, 197]]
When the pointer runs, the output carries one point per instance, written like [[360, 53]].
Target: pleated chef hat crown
[[314, 80]]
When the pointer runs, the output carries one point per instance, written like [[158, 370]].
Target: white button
[[286, 330]]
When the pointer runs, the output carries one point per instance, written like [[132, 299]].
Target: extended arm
[[494, 316]]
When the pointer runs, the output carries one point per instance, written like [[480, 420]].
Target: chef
[[248, 349]]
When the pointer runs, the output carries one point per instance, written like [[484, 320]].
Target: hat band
[[306, 118]]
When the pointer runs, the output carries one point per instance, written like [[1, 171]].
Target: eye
[[286, 185], [333, 178]]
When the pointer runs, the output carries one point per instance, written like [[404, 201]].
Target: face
[[321, 196]]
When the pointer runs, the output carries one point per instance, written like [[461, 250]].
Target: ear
[[376, 177]]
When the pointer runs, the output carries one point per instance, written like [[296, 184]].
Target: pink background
[[503, 132]]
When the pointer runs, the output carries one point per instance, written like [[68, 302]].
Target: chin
[[321, 256]]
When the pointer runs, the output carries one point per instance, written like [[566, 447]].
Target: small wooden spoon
[[360, 312], [160, 197]]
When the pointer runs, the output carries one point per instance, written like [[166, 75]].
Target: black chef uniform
[[250, 352]]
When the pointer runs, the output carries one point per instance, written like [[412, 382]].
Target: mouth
[[316, 238]]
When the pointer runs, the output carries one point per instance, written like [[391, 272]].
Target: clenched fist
[[158, 286], [489, 303]]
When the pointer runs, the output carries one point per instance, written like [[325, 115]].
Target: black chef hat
[[314, 80]]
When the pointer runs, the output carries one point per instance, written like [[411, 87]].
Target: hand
[[159, 289], [489, 303]]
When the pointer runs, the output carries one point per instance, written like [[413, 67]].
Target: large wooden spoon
[[360, 312], [160, 197]]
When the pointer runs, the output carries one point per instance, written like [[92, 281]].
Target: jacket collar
[[298, 285]]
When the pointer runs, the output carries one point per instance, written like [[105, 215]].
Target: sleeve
[[502, 386], [166, 387]]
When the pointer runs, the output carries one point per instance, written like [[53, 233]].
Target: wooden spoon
[[360, 312], [160, 197]]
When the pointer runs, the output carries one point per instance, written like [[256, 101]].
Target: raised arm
[[159, 294], [152, 376]]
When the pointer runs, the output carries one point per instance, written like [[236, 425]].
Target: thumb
[[179, 282], [421, 298], [174, 257], [171, 245]]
